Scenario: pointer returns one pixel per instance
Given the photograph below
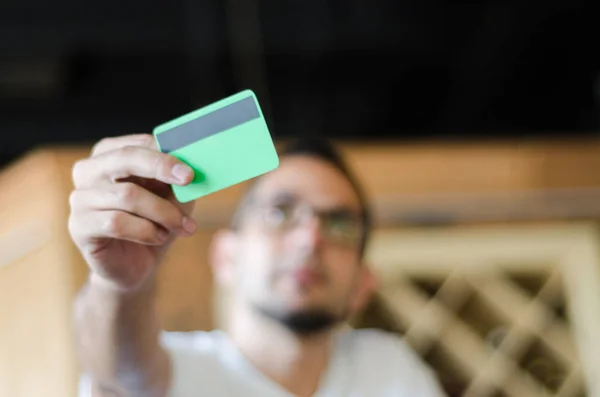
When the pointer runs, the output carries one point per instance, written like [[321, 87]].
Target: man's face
[[297, 253]]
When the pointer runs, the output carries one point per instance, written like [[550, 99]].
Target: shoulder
[[392, 355]]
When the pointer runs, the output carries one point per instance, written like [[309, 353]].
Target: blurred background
[[475, 127], [402, 70]]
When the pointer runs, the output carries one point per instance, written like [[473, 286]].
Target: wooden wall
[[40, 270], [37, 275]]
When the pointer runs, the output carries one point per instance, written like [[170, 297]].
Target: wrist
[[105, 285]]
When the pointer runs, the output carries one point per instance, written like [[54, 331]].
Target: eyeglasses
[[339, 226]]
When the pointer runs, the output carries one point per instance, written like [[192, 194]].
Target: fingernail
[[181, 172], [189, 225]]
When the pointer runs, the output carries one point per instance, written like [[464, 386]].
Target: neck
[[296, 363]]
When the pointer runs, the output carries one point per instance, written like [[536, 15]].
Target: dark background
[[75, 71]]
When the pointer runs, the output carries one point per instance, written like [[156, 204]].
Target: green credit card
[[225, 143]]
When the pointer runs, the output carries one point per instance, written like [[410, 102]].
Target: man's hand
[[123, 213]]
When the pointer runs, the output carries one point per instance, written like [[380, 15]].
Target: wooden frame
[[473, 259]]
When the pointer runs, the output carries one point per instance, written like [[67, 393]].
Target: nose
[[308, 234]]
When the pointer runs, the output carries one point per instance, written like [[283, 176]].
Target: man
[[293, 258]]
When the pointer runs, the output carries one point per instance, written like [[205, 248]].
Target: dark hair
[[323, 150]]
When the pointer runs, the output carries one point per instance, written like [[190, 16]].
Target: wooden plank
[[185, 286], [582, 275], [573, 384], [36, 345], [35, 354], [425, 251], [465, 182]]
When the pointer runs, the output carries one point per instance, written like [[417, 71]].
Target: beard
[[304, 323]]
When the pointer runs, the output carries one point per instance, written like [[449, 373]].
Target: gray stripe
[[210, 124]]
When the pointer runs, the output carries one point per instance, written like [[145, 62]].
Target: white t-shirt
[[365, 363]]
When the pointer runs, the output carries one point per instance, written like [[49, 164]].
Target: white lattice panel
[[510, 311]]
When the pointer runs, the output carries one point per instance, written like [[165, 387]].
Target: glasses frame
[[303, 212]]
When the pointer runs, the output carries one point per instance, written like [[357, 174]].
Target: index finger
[[131, 161], [113, 143]]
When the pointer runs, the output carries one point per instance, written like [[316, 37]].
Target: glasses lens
[[344, 228], [279, 216]]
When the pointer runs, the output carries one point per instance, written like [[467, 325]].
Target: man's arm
[[117, 341], [123, 219]]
